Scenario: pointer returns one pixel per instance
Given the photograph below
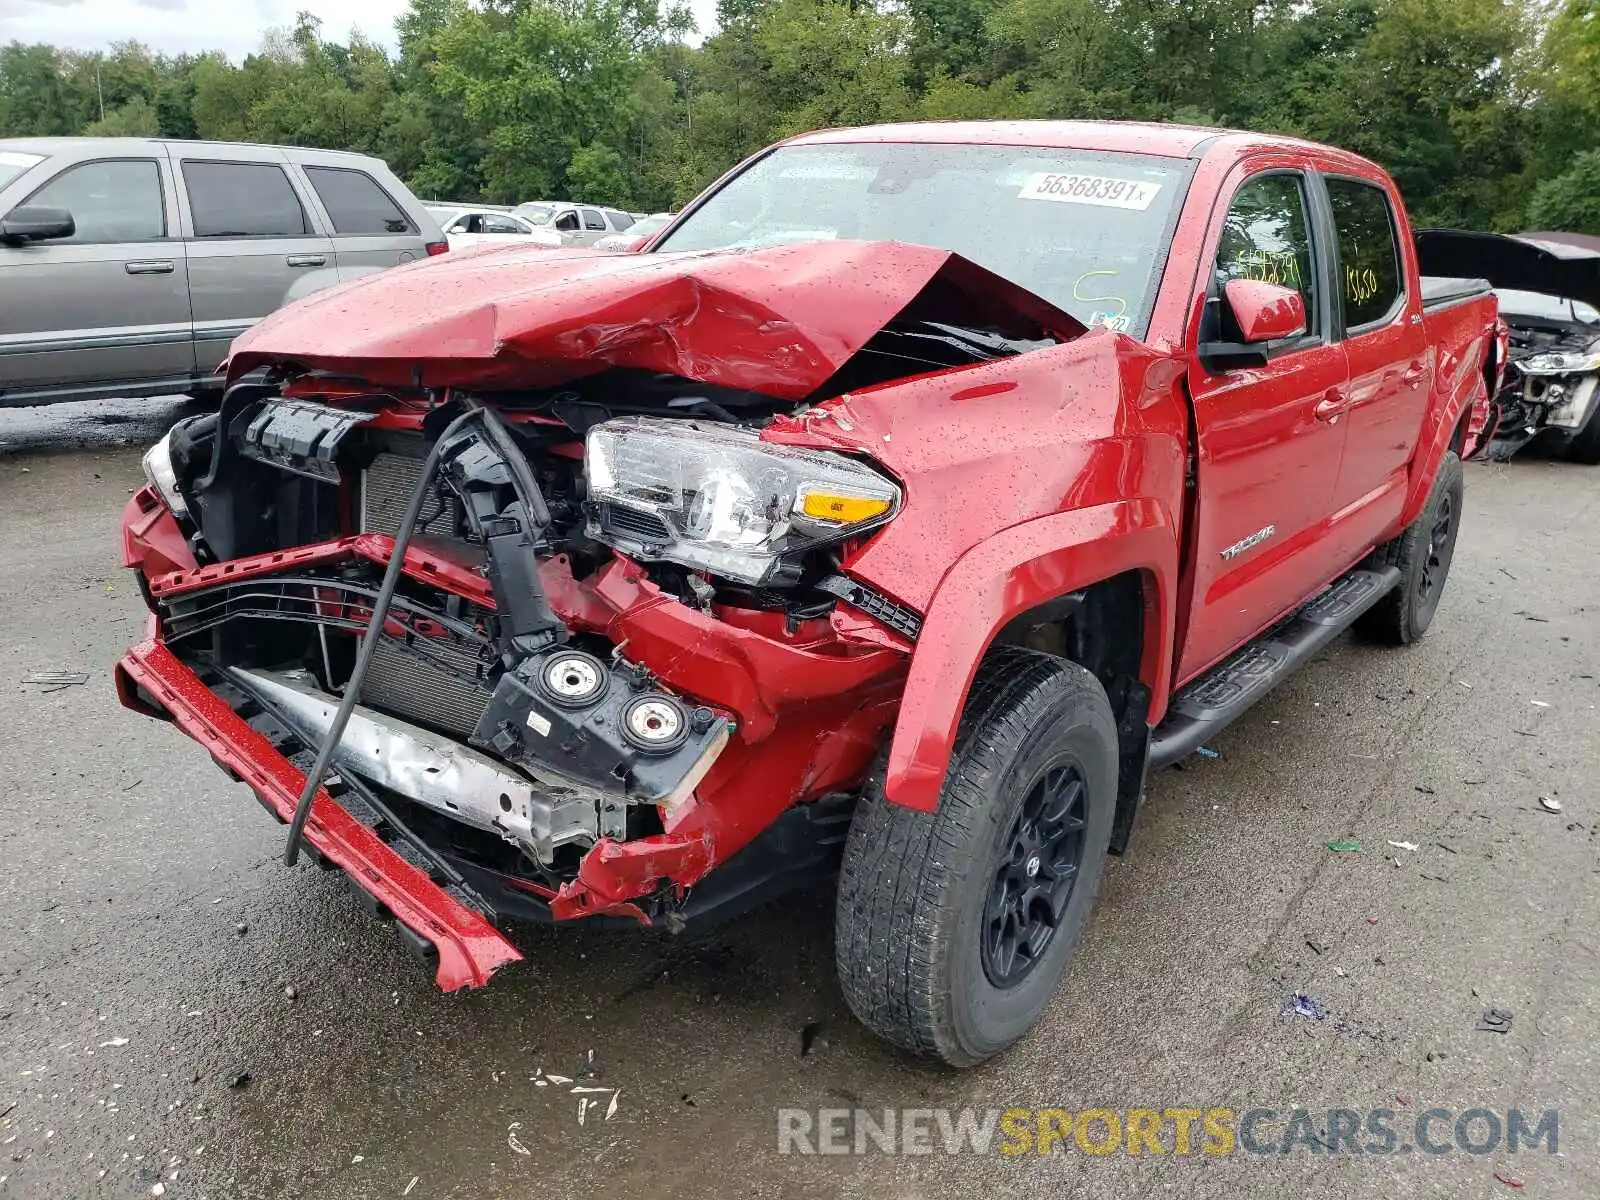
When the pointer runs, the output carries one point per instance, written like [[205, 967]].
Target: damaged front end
[[626, 670], [1548, 287]]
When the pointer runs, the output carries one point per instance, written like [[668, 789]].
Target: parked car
[[808, 544], [1548, 285], [578, 224], [128, 265], [640, 232], [482, 227]]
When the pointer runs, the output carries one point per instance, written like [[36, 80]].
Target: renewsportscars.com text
[[1175, 1131]]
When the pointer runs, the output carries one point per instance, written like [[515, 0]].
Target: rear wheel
[[1423, 553], [955, 927]]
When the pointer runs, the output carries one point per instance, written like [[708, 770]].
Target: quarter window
[[117, 200], [240, 199], [356, 203], [1369, 261], [1267, 238]]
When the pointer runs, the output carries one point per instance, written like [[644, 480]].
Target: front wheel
[[955, 927], [1585, 444], [1423, 552]]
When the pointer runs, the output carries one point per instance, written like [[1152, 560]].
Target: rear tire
[[1423, 553], [955, 927], [1585, 444]]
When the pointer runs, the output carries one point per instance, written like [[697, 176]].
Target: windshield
[[537, 214], [645, 226], [1084, 230], [13, 163], [1546, 308]]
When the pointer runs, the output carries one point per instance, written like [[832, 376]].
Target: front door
[[250, 236], [106, 309], [1269, 437]]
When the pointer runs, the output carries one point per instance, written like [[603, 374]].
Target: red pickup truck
[[916, 492]]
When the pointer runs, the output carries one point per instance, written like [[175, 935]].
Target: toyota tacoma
[[897, 509]]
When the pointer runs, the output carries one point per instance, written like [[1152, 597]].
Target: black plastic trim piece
[[1222, 695]]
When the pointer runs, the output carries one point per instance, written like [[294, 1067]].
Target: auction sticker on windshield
[[1101, 190]]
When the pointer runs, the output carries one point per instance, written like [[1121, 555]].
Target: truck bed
[[1439, 291]]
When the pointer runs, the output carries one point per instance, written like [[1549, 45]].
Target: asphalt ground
[[148, 934]]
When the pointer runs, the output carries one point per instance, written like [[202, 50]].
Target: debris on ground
[[1509, 1182], [1344, 846], [240, 1081], [514, 1141], [1495, 1020], [1302, 1005], [808, 1037], [1208, 752], [117, 1041], [1314, 947], [1540, 703], [290, 993], [611, 1109], [1408, 847], [1425, 789], [415, 1179], [1550, 804], [54, 681]]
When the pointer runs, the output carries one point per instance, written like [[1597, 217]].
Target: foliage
[[1487, 112], [1571, 200]]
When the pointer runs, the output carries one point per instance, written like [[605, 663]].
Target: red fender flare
[[1003, 577]]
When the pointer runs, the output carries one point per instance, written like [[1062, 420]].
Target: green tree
[[1570, 201], [136, 118]]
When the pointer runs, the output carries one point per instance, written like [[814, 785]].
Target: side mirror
[[35, 223], [1264, 312]]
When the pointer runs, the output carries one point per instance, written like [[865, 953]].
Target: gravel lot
[[148, 933]]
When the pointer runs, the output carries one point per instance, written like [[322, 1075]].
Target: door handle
[[307, 260], [152, 266], [1330, 406], [1413, 374]]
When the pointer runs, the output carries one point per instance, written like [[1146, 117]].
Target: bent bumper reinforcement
[[468, 947]]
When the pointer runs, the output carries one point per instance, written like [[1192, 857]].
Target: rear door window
[[356, 202], [619, 220], [242, 199], [1369, 257], [1267, 238], [115, 200], [592, 219]]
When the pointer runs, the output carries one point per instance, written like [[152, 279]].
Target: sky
[[174, 26]]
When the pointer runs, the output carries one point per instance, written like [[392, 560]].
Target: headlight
[[158, 470], [1562, 362], [718, 498]]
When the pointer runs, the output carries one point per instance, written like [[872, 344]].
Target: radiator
[[399, 682]]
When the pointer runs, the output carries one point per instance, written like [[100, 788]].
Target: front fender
[[999, 579]]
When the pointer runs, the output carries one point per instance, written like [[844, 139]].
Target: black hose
[[370, 640]]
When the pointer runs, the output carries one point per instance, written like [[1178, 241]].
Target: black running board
[[1221, 695]]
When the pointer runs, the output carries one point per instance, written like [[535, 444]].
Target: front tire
[[1585, 444], [1423, 553], [954, 928]]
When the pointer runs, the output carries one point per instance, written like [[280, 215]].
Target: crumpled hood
[[779, 321]]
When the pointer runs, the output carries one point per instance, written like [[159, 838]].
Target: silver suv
[[128, 265]]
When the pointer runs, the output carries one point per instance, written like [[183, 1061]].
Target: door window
[[619, 219], [1267, 237], [592, 219], [117, 200], [1369, 260], [242, 199], [567, 222], [356, 203], [503, 225]]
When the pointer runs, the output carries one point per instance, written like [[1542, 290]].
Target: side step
[[1221, 695]]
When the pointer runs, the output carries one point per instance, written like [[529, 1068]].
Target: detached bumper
[[469, 950]]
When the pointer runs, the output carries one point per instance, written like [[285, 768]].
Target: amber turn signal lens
[[846, 510]]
